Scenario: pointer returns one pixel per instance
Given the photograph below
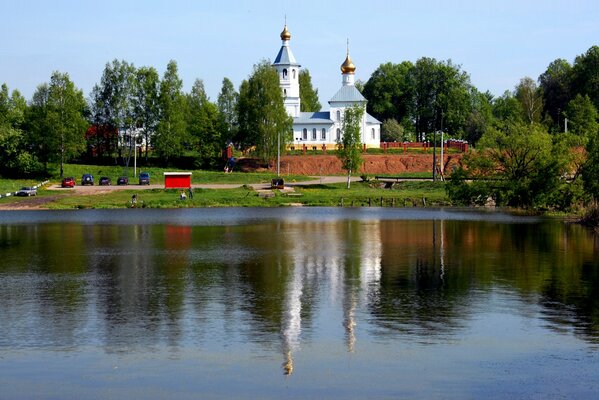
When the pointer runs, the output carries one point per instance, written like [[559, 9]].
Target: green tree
[[556, 83], [506, 110], [590, 169], [308, 96], [440, 96], [582, 118], [145, 102], [262, 116], [227, 106], [15, 159], [585, 75], [388, 91], [60, 123], [349, 147], [517, 166], [171, 135], [393, 131], [531, 99], [481, 116], [204, 125], [113, 108]]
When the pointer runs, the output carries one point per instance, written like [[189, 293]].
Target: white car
[[27, 191]]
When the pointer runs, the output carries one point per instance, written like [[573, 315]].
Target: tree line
[[133, 106]]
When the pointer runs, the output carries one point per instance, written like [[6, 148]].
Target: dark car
[[144, 178], [105, 181], [123, 180], [87, 179], [27, 191], [68, 182]]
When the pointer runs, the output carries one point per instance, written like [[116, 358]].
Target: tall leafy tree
[[112, 106], [481, 116], [145, 102], [585, 75], [517, 165], [349, 147], [556, 83], [262, 116], [14, 155], [590, 169], [582, 117], [60, 110], [205, 125], [227, 106], [388, 91], [171, 135], [308, 95], [531, 98]]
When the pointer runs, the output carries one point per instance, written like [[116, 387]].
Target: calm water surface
[[296, 303]]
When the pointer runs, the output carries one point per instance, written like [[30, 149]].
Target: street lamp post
[[279, 155], [435, 156]]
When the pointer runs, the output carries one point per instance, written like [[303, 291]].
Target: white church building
[[316, 129]]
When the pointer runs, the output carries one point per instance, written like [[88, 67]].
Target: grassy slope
[[361, 194]]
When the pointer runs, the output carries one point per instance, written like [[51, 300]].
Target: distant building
[[322, 127]]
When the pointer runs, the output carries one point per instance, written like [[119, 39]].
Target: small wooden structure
[[177, 180]]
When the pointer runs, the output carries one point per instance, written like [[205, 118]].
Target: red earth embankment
[[373, 164]]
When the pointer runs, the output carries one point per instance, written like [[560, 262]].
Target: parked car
[[68, 182], [27, 191], [123, 180], [105, 181], [144, 178], [87, 179]]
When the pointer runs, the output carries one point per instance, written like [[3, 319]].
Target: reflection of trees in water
[[420, 278]]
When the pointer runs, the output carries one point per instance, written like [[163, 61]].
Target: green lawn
[[360, 194], [12, 185]]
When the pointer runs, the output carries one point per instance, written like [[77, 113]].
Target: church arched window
[[323, 134], [338, 115], [338, 134], [285, 74], [293, 73], [305, 134], [373, 133], [284, 92], [314, 134]]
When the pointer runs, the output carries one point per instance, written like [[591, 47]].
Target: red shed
[[177, 180]]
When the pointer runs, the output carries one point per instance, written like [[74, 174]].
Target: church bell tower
[[288, 70]]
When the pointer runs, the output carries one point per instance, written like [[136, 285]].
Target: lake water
[[296, 303]]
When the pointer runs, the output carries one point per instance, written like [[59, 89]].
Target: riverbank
[[323, 191]]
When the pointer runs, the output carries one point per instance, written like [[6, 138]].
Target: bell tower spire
[[288, 70]]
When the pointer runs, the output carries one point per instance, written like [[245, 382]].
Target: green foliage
[[464, 193], [481, 117], [519, 166], [308, 96], [388, 91], [349, 148], [204, 125], [585, 79], [556, 83], [261, 113], [590, 170], [392, 131], [57, 120], [227, 107], [582, 117], [531, 100], [146, 102], [171, 134]]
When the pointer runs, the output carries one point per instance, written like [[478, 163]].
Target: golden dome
[[285, 35], [348, 66]]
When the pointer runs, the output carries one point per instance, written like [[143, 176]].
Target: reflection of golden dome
[[285, 35], [348, 66]]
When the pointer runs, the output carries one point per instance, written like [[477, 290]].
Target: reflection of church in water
[[322, 128], [351, 274]]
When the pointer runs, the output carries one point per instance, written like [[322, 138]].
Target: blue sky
[[496, 42]]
